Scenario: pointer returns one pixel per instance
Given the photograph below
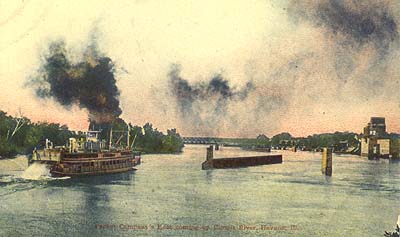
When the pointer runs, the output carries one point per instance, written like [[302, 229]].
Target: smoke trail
[[346, 61], [89, 83], [360, 22], [205, 104], [363, 34]]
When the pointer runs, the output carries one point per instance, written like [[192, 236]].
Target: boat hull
[[94, 164], [93, 173]]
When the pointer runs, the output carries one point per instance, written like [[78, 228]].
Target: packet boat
[[86, 157]]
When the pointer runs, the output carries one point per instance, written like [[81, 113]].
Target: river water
[[169, 195]]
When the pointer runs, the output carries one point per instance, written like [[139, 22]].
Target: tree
[[262, 141], [282, 137], [172, 142]]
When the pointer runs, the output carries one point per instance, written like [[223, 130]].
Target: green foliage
[[244, 142], [172, 142], [328, 140], [151, 140], [7, 149], [338, 140], [262, 141], [29, 135], [147, 139], [281, 139]]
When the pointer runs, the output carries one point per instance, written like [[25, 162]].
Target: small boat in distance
[[86, 156]]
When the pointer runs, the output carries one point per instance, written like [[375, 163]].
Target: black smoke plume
[[361, 22], [362, 37], [89, 83], [204, 104]]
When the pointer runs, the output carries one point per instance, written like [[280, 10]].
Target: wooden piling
[[210, 154], [327, 161], [217, 147]]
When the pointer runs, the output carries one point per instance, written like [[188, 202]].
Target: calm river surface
[[169, 195]]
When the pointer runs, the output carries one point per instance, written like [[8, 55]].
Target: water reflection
[[172, 189], [209, 176], [84, 202], [119, 178]]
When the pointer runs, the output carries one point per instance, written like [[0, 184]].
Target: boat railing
[[97, 158]]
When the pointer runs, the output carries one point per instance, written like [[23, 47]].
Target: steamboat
[[87, 156]]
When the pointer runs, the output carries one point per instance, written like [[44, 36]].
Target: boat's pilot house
[[92, 142]]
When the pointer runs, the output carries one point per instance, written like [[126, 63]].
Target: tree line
[[145, 138], [337, 140], [19, 135]]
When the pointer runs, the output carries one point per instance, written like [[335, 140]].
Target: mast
[[110, 142], [127, 137], [134, 139]]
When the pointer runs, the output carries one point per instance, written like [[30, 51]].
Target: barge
[[238, 162], [86, 157]]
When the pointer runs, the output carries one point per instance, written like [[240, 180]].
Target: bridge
[[208, 141], [200, 140]]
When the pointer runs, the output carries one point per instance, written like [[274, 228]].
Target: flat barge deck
[[238, 162]]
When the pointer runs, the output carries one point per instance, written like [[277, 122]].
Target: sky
[[213, 68]]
